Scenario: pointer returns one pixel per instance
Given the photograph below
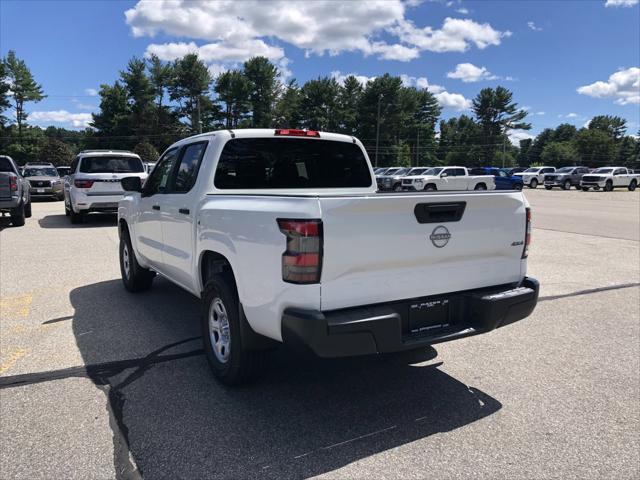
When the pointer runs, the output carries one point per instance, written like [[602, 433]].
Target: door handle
[[156, 207], [184, 210]]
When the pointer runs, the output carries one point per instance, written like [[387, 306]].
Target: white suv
[[93, 185]]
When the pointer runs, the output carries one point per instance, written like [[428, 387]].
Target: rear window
[[5, 165], [265, 163], [105, 164]]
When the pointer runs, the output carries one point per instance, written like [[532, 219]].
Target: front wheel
[[608, 186], [397, 187], [566, 185], [533, 184], [230, 362], [633, 185], [548, 187], [517, 186], [134, 277], [430, 188]]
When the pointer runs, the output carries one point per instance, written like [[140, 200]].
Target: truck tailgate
[[389, 247]]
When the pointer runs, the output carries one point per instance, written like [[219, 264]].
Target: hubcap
[[219, 332], [125, 260]]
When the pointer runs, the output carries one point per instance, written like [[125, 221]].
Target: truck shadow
[[90, 221], [306, 417]]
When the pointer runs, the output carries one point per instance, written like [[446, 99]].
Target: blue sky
[[544, 51]]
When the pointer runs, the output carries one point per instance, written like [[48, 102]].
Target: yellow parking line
[[13, 307], [16, 354]]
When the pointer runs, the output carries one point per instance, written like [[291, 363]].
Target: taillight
[[83, 183], [302, 260], [527, 234], [13, 182], [291, 132]]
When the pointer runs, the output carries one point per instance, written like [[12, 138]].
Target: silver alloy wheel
[[219, 332], [125, 259]]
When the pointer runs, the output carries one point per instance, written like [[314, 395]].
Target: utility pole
[[378, 130], [417, 148], [199, 119]]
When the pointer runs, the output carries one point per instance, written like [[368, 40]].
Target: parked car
[[254, 222], [501, 179], [45, 182], [513, 170], [380, 170], [94, 182], [565, 178], [392, 181], [609, 178], [534, 176], [63, 171], [448, 178], [14, 192]]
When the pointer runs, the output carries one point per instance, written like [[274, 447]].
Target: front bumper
[[385, 328], [600, 184], [45, 191]]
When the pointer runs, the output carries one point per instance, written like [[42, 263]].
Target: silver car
[[45, 182]]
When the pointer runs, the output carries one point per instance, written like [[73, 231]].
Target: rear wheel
[[566, 185], [76, 217], [608, 186], [533, 184], [27, 209], [135, 278], [17, 216], [633, 185], [230, 362], [480, 186]]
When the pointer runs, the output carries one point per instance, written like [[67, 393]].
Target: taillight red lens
[[13, 182], [291, 132], [302, 259], [83, 183], [527, 234]]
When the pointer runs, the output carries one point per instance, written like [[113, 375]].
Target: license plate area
[[429, 316]]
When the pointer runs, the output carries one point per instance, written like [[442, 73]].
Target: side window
[[159, 178], [619, 171], [459, 172], [448, 171], [187, 172]]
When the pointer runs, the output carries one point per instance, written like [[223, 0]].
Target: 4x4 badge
[[440, 236]]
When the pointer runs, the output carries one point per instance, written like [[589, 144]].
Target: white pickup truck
[[279, 233], [609, 178], [448, 178], [534, 176]]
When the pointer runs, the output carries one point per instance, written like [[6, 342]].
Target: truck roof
[[108, 152]]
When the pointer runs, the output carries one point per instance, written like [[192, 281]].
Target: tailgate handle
[[439, 212], [156, 207]]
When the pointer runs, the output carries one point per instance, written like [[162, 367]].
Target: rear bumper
[[86, 203], [385, 328], [7, 204]]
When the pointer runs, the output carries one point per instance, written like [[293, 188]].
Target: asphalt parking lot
[[99, 383]]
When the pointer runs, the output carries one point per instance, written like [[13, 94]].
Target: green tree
[[5, 101], [564, 132], [458, 142], [559, 154], [628, 154], [595, 147], [112, 122], [613, 126], [523, 153], [349, 96], [190, 83], [287, 110], [318, 105], [233, 90], [147, 152], [263, 80], [535, 152], [420, 111], [497, 113], [22, 86], [140, 96], [160, 76], [56, 152]]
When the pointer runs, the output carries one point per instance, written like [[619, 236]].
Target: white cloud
[[453, 100], [77, 120], [237, 29], [623, 85], [83, 106], [541, 113], [516, 135], [340, 78], [572, 115], [216, 69], [463, 11], [621, 3], [420, 83], [217, 52], [533, 27], [468, 72], [92, 92]]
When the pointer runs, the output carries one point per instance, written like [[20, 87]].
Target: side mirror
[[131, 184], [442, 175]]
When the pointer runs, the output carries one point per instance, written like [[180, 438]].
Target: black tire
[[431, 188], [397, 187], [134, 277], [585, 189], [533, 183], [230, 362], [17, 216], [60, 197], [566, 185], [480, 186], [27, 210], [76, 218], [517, 186], [608, 186], [633, 185], [548, 187]]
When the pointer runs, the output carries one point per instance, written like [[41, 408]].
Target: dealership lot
[[98, 383]]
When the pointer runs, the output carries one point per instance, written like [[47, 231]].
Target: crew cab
[[502, 179], [565, 178], [93, 184], [534, 176], [15, 198], [279, 233], [609, 178], [448, 178]]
